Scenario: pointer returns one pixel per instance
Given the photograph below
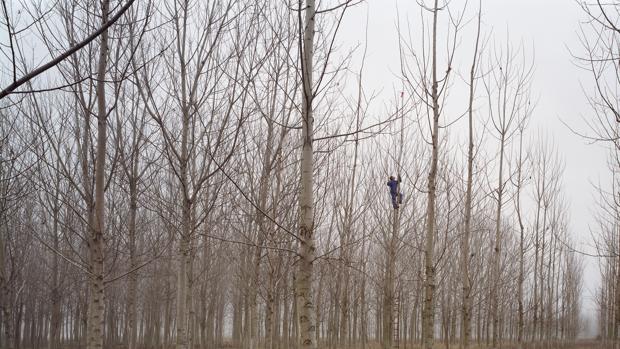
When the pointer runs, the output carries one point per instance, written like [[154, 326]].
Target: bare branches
[[74, 48], [599, 39], [10, 33]]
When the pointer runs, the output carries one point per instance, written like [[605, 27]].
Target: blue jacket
[[393, 184]]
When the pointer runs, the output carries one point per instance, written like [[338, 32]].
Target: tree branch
[[6, 91]]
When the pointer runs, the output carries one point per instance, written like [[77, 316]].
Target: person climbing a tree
[[397, 196]]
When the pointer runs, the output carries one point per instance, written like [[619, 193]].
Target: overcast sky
[[549, 32]]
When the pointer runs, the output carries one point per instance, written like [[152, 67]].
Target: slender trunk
[[536, 258], [133, 278], [56, 315], [541, 268], [7, 314], [270, 315], [284, 341], [344, 307], [182, 316], [465, 258], [210, 323], [55, 320], [182, 280], [364, 314], [549, 286], [495, 285], [295, 329], [616, 306], [191, 309], [236, 322], [521, 279], [348, 230], [185, 241], [388, 291], [96, 301], [503, 125], [168, 293], [5, 311], [305, 302], [17, 328], [428, 317], [263, 192], [353, 334]]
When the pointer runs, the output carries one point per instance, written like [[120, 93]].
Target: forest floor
[[580, 344]]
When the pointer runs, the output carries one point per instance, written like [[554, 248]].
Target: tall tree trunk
[[133, 277], [521, 278], [182, 279], [191, 309], [284, 341], [168, 314], [428, 317], [348, 229], [5, 308], [616, 307], [56, 315], [185, 254], [263, 192], [389, 289], [541, 281], [496, 281], [7, 316], [269, 317], [536, 259], [236, 322], [363, 312], [465, 253], [305, 302], [96, 299]]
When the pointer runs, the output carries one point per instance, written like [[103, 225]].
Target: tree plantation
[[231, 174]]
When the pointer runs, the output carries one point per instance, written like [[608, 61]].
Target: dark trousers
[[394, 200]]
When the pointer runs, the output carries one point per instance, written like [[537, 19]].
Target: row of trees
[[198, 175], [599, 59]]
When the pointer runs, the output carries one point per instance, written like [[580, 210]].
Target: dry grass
[[582, 344]]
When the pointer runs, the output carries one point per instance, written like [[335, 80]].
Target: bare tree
[[430, 87], [599, 40], [465, 249], [509, 105]]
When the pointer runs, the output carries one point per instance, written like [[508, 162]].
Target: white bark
[[303, 287], [96, 300]]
